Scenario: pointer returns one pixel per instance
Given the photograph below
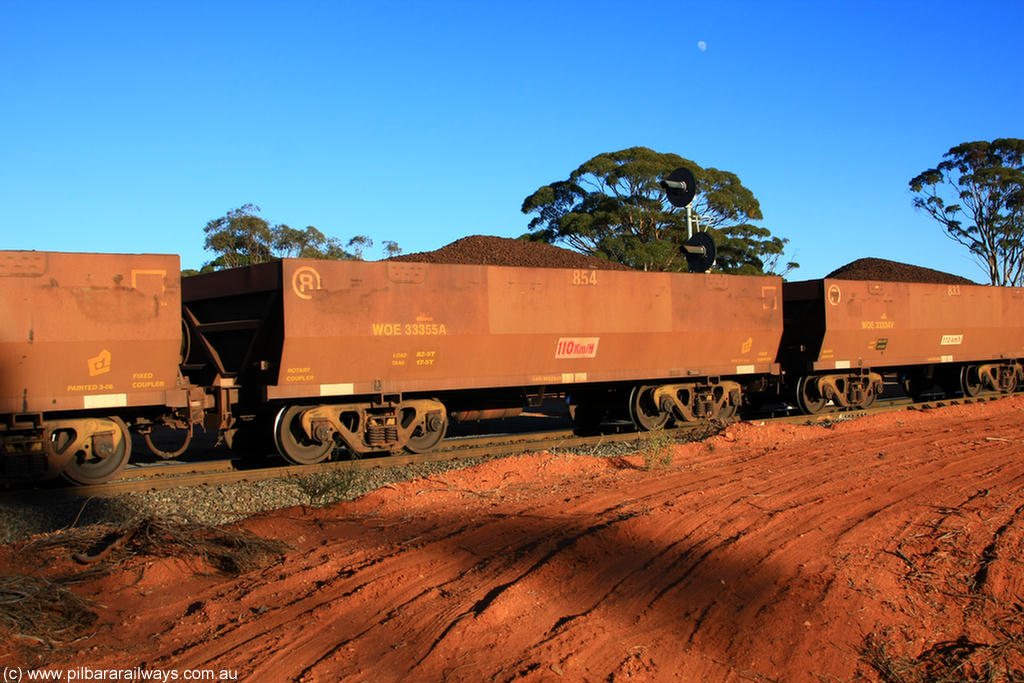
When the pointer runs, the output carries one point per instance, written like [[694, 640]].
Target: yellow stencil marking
[[100, 364], [305, 281], [148, 274]]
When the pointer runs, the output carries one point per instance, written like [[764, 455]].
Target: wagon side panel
[[361, 328], [87, 331], [898, 324], [1012, 328]]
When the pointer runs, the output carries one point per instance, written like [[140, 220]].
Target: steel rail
[[185, 474]]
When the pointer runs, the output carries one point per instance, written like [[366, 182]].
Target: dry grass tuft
[[957, 661], [227, 551], [36, 609], [952, 576], [330, 487]]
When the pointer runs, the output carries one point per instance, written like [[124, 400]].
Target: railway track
[[163, 475], [166, 475]]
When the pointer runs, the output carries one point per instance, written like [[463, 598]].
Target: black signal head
[[680, 186]]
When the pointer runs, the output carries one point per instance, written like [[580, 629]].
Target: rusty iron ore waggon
[[308, 356], [380, 356], [842, 335]]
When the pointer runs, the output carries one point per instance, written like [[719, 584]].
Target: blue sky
[[127, 126]]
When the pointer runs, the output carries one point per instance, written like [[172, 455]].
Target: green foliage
[[977, 195], [330, 487], [656, 449], [358, 245], [241, 238], [308, 243], [613, 206]]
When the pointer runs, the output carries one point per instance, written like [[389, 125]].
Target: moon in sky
[[701, 45]]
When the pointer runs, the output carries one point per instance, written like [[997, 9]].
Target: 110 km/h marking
[[576, 347]]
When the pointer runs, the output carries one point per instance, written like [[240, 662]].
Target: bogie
[[308, 434], [816, 393]]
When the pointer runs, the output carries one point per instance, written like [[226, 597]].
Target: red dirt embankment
[[768, 553]]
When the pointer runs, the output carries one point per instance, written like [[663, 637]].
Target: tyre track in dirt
[[768, 551]]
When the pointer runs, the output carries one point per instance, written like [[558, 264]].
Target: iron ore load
[[310, 356]]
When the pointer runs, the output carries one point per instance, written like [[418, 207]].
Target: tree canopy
[[241, 238], [977, 195], [613, 206]]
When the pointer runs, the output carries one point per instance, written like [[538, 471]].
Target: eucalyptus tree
[[241, 237], [613, 206], [977, 194]]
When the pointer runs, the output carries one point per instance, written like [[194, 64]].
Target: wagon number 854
[[584, 277]]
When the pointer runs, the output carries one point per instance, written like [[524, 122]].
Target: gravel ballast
[[44, 511]]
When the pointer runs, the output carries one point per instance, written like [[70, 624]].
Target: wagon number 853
[[584, 277]]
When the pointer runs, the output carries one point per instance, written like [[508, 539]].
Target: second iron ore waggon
[[379, 356], [842, 335]]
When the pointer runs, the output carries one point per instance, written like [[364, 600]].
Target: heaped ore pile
[[484, 250], [894, 271]]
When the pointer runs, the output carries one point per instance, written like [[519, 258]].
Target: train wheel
[[868, 400], [428, 435], [970, 381], [1011, 384], [102, 452], [642, 410], [292, 442], [808, 398], [869, 397]]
